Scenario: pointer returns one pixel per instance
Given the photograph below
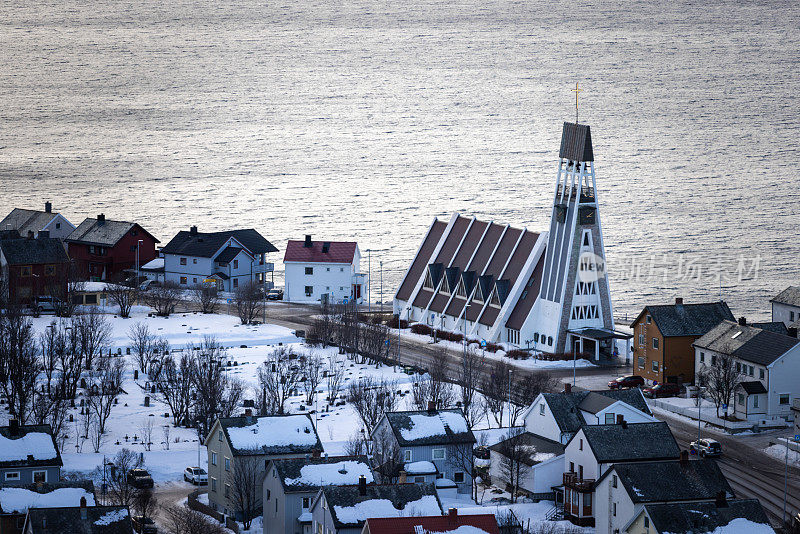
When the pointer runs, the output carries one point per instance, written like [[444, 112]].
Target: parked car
[[275, 294], [630, 381], [195, 475], [482, 453], [706, 447], [140, 478], [662, 390], [148, 284], [44, 305], [143, 525]]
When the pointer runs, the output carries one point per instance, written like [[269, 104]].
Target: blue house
[[28, 455]]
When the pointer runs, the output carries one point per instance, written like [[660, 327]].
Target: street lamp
[[369, 281], [138, 244], [381, 286]]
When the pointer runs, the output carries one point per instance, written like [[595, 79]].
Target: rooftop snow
[[463, 529], [744, 526], [427, 425], [157, 263], [20, 499], [112, 517], [420, 468], [274, 432], [336, 474], [36, 444], [427, 505]]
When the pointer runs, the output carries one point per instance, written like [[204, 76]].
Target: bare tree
[[174, 386], [166, 432], [146, 428], [163, 298], [526, 388], [205, 296], [356, 445], [105, 382], [461, 458], [145, 502], [514, 459], [433, 387], [70, 357], [245, 492], [720, 378], [249, 301], [119, 491], [66, 289], [371, 398], [278, 377], [387, 458], [496, 389], [184, 520], [142, 344], [19, 363], [323, 330], [94, 335], [217, 394], [335, 377], [469, 380], [311, 367], [96, 436], [50, 408], [123, 296]]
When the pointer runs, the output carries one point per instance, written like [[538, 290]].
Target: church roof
[[576, 142]]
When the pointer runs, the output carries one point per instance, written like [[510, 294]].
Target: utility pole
[[510, 422], [369, 283], [381, 286], [785, 481], [138, 244], [699, 402]]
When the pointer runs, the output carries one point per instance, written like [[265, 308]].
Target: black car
[[140, 478], [482, 453], [143, 525]]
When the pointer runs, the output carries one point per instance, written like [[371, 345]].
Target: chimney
[[431, 406], [567, 387], [402, 477], [623, 423], [362, 486], [326, 247], [30, 234], [44, 234], [722, 500], [620, 418], [684, 458], [792, 330], [101, 219], [48, 207], [13, 427], [83, 508], [316, 453], [193, 230], [679, 301], [452, 513], [248, 414], [742, 321], [307, 243]]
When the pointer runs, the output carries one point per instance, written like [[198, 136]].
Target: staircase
[[556, 513]]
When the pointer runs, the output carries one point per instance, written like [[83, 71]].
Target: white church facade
[[545, 291]]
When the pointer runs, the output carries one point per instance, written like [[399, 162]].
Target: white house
[[25, 221], [786, 306], [228, 259], [543, 460], [317, 270], [769, 364]]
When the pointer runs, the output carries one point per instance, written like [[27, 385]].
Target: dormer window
[[428, 283]]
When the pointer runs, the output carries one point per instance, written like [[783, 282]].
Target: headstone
[[153, 389], [127, 350], [136, 374], [147, 401]]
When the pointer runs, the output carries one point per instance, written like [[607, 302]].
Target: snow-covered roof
[[112, 517], [153, 265], [19, 499], [280, 434], [361, 511], [350, 508], [430, 427], [420, 468], [69, 520], [436, 524], [737, 516], [93, 287], [28, 446], [332, 474]]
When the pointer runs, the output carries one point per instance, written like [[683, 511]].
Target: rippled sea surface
[[364, 120]]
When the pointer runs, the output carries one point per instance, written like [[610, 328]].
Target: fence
[[196, 505]]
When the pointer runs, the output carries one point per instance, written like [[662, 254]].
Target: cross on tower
[[576, 91]]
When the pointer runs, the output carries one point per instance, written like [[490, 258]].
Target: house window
[[458, 477], [25, 270], [614, 509], [419, 480], [641, 362], [183, 261], [341, 269], [572, 467], [227, 464], [641, 339], [791, 316], [755, 401], [738, 367], [587, 500], [580, 472], [713, 359], [550, 341], [214, 485], [613, 481], [39, 476], [213, 458], [761, 374], [580, 444], [541, 409], [327, 269], [740, 398], [783, 399], [438, 454], [649, 319], [655, 342], [134, 232], [228, 491], [306, 502], [58, 226], [751, 371], [309, 290], [609, 418], [183, 280], [49, 270], [194, 261], [702, 357], [309, 270], [407, 455], [235, 282], [235, 264], [536, 337], [12, 475], [655, 367], [646, 522], [219, 436]]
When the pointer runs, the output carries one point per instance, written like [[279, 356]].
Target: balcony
[[581, 485], [265, 267]]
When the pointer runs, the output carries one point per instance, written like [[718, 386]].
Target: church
[[547, 291]]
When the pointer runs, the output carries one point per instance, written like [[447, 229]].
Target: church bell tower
[[574, 293]]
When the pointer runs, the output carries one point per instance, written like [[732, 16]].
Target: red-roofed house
[[452, 523], [317, 270]]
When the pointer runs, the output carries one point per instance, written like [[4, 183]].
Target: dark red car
[[623, 382], [662, 390]]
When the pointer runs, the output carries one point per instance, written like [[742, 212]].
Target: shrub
[[517, 354], [421, 329]]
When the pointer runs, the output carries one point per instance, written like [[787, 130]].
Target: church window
[[460, 291], [445, 288], [550, 341], [536, 337], [428, 284], [495, 299]]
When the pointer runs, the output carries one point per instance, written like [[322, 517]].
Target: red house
[[103, 249], [32, 267]]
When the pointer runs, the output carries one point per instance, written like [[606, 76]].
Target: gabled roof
[[99, 520], [33, 251], [106, 233], [630, 442], [430, 427], [227, 255], [537, 448], [702, 517], [594, 402], [777, 327], [270, 435], [351, 509], [566, 410], [321, 252], [439, 524], [24, 221], [310, 474], [576, 142], [206, 244], [753, 387], [789, 296], [671, 481], [29, 446], [747, 343], [679, 320], [48, 495]]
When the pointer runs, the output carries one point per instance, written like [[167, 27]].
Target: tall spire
[[576, 91]]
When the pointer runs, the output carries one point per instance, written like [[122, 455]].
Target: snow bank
[[420, 468], [338, 474], [274, 432], [112, 517], [425, 426], [20, 499], [463, 529], [36, 444], [744, 526], [374, 508]]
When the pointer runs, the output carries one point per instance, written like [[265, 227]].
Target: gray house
[[253, 439], [426, 445], [291, 484], [345, 509], [28, 454], [15, 502], [79, 519]]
